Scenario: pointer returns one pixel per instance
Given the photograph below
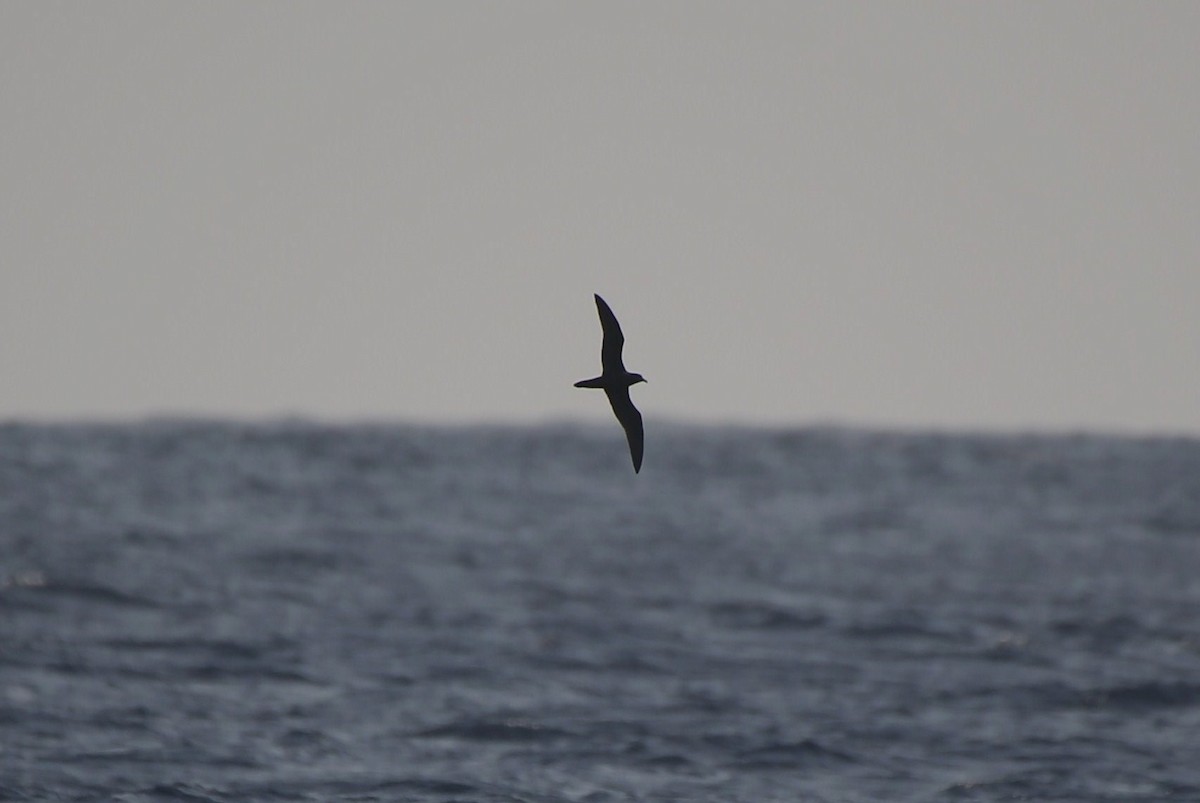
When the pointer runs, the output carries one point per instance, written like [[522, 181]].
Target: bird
[[615, 381]]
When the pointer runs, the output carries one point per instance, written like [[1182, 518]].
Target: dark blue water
[[224, 612]]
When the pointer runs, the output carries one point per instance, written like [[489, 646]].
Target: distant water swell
[[216, 611]]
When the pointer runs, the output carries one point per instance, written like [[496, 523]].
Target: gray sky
[[934, 214]]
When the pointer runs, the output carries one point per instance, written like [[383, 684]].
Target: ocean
[[291, 611]]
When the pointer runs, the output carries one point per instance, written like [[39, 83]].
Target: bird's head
[[635, 378]]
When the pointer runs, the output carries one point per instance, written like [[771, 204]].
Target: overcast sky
[[899, 214]]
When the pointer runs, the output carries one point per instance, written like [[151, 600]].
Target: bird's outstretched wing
[[614, 341], [630, 419]]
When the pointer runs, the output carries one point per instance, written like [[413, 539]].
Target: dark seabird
[[615, 381]]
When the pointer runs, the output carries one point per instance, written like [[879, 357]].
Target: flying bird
[[615, 381]]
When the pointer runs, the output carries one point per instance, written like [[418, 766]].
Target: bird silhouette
[[615, 382]]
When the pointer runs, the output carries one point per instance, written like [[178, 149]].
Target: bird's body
[[615, 382]]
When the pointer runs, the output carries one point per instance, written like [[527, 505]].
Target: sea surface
[[208, 611]]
